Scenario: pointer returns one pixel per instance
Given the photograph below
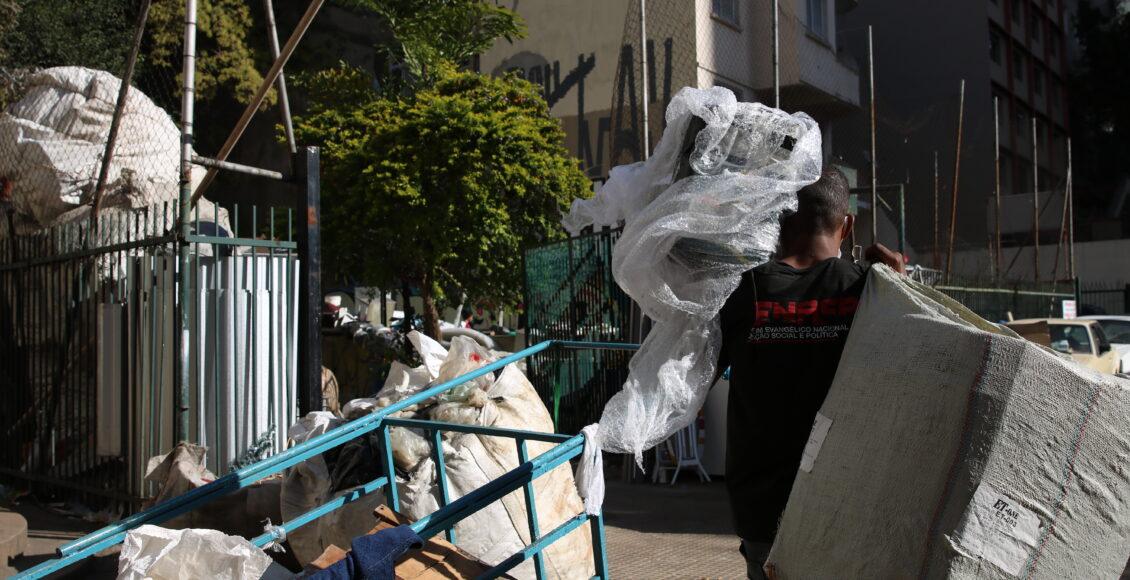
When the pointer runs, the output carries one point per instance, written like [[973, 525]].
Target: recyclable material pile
[[507, 400]]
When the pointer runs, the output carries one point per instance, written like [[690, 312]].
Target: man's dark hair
[[821, 206]]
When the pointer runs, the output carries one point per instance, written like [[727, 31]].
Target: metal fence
[[1105, 299], [89, 337], [570, 295]]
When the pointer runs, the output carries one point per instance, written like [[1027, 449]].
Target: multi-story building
[[585, 53], [1013, 50]]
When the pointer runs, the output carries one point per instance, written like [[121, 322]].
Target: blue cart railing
[[444, 520]]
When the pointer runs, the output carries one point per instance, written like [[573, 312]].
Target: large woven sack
[[950, 447]]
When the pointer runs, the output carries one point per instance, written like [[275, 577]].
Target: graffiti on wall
[[611, 134]]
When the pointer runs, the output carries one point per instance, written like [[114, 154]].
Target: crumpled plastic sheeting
[[686, 243], [158, 553]]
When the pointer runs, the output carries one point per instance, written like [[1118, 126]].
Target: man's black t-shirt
[[783, 333]]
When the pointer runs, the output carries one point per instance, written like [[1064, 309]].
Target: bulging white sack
[[952, 448], [686, 243]]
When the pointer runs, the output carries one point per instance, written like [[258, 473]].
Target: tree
[[1100, 91], [429, 34], [442, 187], [226, 60], [46, 33]]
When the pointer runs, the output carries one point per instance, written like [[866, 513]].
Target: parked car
[[1083, 340], [1117, 331]]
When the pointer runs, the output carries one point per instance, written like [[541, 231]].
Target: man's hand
[[881, 254]]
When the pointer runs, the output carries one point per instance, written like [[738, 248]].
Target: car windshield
[[1070, 338], [1117, 331]]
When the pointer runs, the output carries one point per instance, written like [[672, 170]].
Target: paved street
[[659, 531]]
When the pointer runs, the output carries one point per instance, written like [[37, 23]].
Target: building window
[[1053, 44], [726, 10], [1018, 63], [1022, 126], [995, 46], [1034, 25], [1037, 82], [1017, 7], [818, 17]]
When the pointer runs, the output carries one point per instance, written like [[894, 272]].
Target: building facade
[[1012, 50], [586, 54]]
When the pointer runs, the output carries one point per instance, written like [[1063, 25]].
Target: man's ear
[[849, 225]]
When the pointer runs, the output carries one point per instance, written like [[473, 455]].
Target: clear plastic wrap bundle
[[697, 214]]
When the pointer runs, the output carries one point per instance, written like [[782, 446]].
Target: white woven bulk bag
[[950, 447]]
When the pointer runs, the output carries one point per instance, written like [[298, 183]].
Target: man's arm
[[880, 254]]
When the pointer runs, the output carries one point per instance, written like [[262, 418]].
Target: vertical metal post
[[997, 184], [902, 219], [307, 176], [531, 510], [643, 73], [776, 54], [188, 99], [937, 253], [280, 84], [1035, 206], [956, 180], [1071, 216], [115, 122], [874, 161]]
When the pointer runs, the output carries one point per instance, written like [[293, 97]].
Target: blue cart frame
[[444, 520]]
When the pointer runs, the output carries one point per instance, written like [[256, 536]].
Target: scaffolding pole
[[874, 162], [188, 100], [997, 184], [115, 122], [956, 180], [776, 54], [643, 75], [1035, 206], [937, 247], [280, 85]]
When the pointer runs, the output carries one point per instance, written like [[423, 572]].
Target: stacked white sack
[[491, 534], [725, 219], [52, 140], [949, 447]]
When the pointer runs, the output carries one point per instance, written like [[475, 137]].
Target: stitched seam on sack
[[1067, 476], [959, 455]]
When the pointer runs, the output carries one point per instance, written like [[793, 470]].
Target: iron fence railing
[[1105, 299], [110, 347]]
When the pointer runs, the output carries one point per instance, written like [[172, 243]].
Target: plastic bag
[[157, 553], [687, 241], [465, 356]]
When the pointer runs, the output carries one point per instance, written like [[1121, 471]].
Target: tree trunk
[[431, 314]]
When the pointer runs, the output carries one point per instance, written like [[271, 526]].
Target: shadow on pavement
[[686, 508]]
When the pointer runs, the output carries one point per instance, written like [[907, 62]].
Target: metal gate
[[97, 346], [570, 295]]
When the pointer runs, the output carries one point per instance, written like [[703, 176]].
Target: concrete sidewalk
[[660, 531]]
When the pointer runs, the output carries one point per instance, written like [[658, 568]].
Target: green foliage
[[444, 187], [46, 33], [9, 12], [430, 33], [228, 60]]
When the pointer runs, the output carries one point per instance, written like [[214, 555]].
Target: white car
[[1117, 331]]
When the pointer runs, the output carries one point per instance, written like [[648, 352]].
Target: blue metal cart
[[444, 520]]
